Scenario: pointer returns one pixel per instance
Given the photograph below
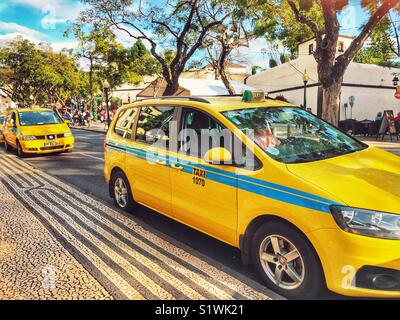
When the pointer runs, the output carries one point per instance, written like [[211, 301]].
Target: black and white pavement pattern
[[58, 243]]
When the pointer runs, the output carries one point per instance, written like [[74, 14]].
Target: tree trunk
[[226, 82], [172, 85], [331, 102]]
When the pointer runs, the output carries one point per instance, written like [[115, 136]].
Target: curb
[[89, 129]]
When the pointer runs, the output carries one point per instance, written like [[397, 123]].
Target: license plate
[[51, 144]]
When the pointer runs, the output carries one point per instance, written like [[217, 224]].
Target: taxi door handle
[[161, 163], [177, 167]]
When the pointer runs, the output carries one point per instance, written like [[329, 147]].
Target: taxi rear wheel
[[286, 262], [7, 147], [121, 192]]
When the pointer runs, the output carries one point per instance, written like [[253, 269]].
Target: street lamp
[[106, 87], [305, 81]]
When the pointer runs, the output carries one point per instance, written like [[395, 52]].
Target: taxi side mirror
[[218, 156], [67, 121], [10, 125]]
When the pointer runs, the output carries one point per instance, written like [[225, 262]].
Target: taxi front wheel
[[286, 262], [122, 192], [20, 152]]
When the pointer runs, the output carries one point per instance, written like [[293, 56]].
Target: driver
[[263, 134]]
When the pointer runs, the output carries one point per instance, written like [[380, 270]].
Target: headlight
[[68, 134], [369, 223], [29, 138]]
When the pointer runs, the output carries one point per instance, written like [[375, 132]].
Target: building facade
[[367, 89]]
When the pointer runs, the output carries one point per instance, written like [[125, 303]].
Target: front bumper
[[345, 257], [48, 146]]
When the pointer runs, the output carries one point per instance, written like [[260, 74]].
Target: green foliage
[[256, 69], [284, 28], [30, 70], [272, 63]]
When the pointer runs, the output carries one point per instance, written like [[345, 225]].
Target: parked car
[[309, 206]]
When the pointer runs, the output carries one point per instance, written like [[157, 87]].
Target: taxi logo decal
[[261, 187], [199, 177]]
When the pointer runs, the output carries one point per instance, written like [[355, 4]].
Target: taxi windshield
[[37, 118], [292, 135], [1, 119]]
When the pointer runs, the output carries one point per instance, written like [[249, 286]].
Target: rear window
[[125, 122]]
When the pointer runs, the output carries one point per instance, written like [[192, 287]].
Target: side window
[[199, 133], [153, 125], [12, 119], [125, 122]]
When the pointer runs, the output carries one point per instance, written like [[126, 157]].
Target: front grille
[[51, 137], [51, 148]]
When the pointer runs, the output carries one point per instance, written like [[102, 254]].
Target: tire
[[301, 272], [68, 151], [122, 199], [7, 147], [20, 152]]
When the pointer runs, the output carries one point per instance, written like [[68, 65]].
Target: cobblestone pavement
[[58, 243]]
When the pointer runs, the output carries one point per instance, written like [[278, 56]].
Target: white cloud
[[11, 27], [59, 46], [9, 37], [54, 11]]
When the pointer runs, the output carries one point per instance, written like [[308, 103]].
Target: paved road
[[57, 243], [84, 169]]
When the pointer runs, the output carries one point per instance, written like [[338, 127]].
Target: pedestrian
[[379, 117], [65, 114]]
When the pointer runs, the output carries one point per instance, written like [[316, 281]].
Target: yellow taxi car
[[309, 206], [1, 129], [36, 131]]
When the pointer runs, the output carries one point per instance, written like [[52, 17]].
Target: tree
[[236, 31], [383, 46], [174, 24], [27, 70], [331, 68]]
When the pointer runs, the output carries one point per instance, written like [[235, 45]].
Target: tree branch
[[358, 42]]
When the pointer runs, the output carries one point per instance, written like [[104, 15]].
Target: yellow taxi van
[[308, 206], [36, 131], [1, 129]]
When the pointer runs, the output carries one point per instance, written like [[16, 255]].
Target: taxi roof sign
[[253, 96]]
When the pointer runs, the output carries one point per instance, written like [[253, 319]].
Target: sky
[[46, 21]]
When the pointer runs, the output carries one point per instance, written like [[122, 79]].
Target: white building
[[234, 71], [192, 87], [370, 85]]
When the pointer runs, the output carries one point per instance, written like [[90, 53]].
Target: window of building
[[153, 125], [311, 48], [341, 46], [125, 122]]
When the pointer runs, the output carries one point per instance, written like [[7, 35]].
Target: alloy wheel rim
[[121, 192], [282, 262]]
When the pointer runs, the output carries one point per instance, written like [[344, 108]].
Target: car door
[[11, 136], [147, 158], [204, 196]]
